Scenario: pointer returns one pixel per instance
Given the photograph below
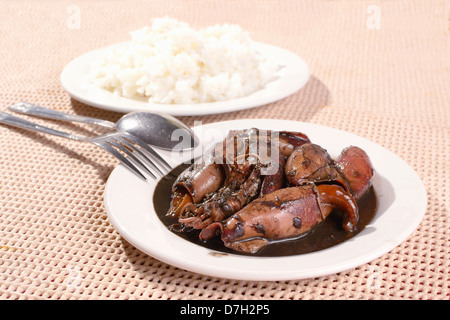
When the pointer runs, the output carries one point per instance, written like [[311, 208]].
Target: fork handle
[[8, 119], [35, 110]]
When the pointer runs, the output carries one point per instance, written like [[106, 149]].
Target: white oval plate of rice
[[292, 76]]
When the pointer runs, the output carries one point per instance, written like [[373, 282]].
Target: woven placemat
[[380, 69]]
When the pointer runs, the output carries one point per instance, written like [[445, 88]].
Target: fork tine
[[126, 144], [116, 141], [119, 156], [146, 147]]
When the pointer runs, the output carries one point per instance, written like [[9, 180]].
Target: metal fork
[[139, 158]]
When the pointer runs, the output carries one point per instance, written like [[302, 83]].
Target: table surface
[[380, 69]]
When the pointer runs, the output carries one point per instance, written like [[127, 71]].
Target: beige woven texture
[[380, 69]]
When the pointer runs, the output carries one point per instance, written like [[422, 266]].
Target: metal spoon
[[156, 129]]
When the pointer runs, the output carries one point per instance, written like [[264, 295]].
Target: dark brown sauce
[[329, 233]]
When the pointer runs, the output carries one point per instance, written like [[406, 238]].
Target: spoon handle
[[24, 124], [35, 110]]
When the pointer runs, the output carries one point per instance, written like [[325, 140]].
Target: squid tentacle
[[284, 214]]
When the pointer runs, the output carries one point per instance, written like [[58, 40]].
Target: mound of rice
[[171, 63]]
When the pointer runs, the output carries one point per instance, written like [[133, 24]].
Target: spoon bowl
[[159, 130]]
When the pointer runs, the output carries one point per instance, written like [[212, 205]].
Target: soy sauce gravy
[[329, 233]]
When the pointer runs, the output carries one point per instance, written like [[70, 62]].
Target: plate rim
[[77, 64], [272, 275]]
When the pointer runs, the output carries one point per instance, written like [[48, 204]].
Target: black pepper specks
[[297, 222]]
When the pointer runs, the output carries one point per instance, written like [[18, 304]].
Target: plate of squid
[[273, 200]]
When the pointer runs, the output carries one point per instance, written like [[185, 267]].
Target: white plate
[[293, 76], [401, 205]]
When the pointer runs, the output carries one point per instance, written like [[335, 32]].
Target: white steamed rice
[[171, 63]]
